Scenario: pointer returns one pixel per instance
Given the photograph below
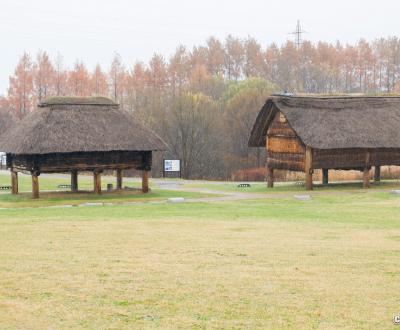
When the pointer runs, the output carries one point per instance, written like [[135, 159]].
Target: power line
[[298, 35]]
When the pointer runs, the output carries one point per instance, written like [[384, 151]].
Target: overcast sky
[[93, 30]]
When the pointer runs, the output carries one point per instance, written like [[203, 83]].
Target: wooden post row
[[97, 182], [308, 168], [74, 180], [270, 177], [366, 176], [145, 181], [119, 179], [35, 185], [377, 174], [14, 182], [325, 176]]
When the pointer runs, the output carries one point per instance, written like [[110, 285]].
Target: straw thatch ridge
[[63, 127], [334, 122], [69, 100]]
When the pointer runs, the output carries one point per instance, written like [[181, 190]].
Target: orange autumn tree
[[156, 89], [44, 76], [20, 91], [79, 80], [98, 82], [117, 81]]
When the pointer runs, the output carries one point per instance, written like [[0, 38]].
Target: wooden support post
[[366, 176], [325, 176], [270, 177], [119, 179], [97, 182], [145, 181], [74, 181], [35, 185], [377, 174], [308, 168], [14, 182]]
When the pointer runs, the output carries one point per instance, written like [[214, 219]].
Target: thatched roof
[[62, 125], [65, 100], [334, 122]]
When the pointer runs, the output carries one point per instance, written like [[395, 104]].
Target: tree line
[[203, 101]]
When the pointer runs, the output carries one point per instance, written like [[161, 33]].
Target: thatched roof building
[[71, 134], [307, 133], [63, 125]]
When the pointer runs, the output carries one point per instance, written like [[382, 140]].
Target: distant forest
[[203, 101]]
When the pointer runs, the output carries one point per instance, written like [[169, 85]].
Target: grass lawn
[[284, 187], [332, 262], [50, 195], [51, 182]]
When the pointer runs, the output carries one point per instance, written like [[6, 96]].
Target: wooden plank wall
[[81, 161], [380, 157], [339, 158], [354, 158], [284, 149]]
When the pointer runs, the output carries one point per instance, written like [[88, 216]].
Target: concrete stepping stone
[[176, 200], [302, 197]]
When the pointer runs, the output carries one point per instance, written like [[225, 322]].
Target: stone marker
[[176, 200], [170, 184], [303, 197], [91, 204], [59, 206]]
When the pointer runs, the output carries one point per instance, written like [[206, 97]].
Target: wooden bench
[[64, 186]]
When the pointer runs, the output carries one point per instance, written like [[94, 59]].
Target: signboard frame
[[172, 167]]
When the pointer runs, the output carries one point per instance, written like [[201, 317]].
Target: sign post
[[172, 165]]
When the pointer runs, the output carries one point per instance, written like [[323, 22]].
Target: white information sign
[[3, 159], [172, 165]]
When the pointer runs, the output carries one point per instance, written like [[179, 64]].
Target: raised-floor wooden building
[[71, 134], [341, 133]]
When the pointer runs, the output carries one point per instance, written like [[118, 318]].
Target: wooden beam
[[145, 181], [14, 182], [377, 174], [308, 168], [325, 176], [35, 185], [119, 179], [366, 176], [270, 177], [97, 182], [74, 181]]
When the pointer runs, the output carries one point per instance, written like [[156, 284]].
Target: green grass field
[[328, 263], [51, 195], [51, 183], [284, 187]]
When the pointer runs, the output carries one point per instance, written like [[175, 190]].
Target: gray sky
[[93, 30]]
